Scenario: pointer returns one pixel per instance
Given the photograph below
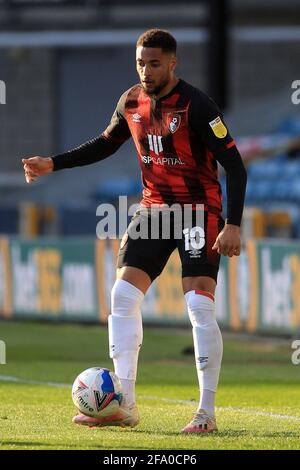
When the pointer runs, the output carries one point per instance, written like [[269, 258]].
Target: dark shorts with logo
[[152, 253]]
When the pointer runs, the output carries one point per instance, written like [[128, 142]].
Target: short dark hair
[[158, 38]]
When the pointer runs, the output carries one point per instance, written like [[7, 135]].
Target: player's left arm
[[228, 241], [217, 138]]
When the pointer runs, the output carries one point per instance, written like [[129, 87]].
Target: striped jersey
[[177, 138]]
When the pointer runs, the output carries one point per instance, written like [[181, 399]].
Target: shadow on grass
[[256, 434], [233, 433], [275, 434], [51, 446]]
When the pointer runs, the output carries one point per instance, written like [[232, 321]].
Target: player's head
[[155, 59]]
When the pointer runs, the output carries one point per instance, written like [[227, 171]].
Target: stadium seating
[[9, 220], [274, 184]]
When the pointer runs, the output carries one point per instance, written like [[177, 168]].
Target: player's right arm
[[90, 152]]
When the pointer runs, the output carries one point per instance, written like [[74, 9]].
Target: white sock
[[128, 389], [207, 402], [208, 345], [125, 334]]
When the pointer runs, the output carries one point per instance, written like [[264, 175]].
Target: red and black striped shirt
[[179, 138]]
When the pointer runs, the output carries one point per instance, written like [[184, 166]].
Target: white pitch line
[[225, 408], [8, 378]]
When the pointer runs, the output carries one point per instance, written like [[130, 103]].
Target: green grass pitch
[[257, 402]]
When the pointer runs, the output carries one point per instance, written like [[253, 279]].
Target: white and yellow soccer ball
[[97, 392]]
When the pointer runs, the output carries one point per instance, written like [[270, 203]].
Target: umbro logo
[[195, 253], [136, 117], [202, 359]]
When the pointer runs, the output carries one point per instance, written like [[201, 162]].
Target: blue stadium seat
[[289, 126], [113, 188], [281, 190], [295, 190], [266, 169], [9, 220], [75, 221], [291, 169], [262, 190]]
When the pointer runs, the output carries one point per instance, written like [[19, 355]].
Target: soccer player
[[180, 135]]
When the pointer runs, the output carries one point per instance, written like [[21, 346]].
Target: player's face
[[155, 68]]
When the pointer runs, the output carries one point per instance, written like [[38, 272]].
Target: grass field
[[258, 399]]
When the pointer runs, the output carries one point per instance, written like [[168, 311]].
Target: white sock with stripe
[[208, 345], [125, 335]]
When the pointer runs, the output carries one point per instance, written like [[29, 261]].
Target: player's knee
[[205, 283], [126, 299], [200, 307], [125, 322]]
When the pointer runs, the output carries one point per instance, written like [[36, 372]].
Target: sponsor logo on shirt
[[155, 143], [218, 128], [162, 160]]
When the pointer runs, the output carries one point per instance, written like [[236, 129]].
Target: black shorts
[[152, 253]]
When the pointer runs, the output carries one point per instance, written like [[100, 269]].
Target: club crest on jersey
[[218, 128], [174, 122]]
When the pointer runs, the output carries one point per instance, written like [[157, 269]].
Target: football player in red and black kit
[[180, 135]]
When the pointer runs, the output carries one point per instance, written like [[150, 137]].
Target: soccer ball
[[97, 392]]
